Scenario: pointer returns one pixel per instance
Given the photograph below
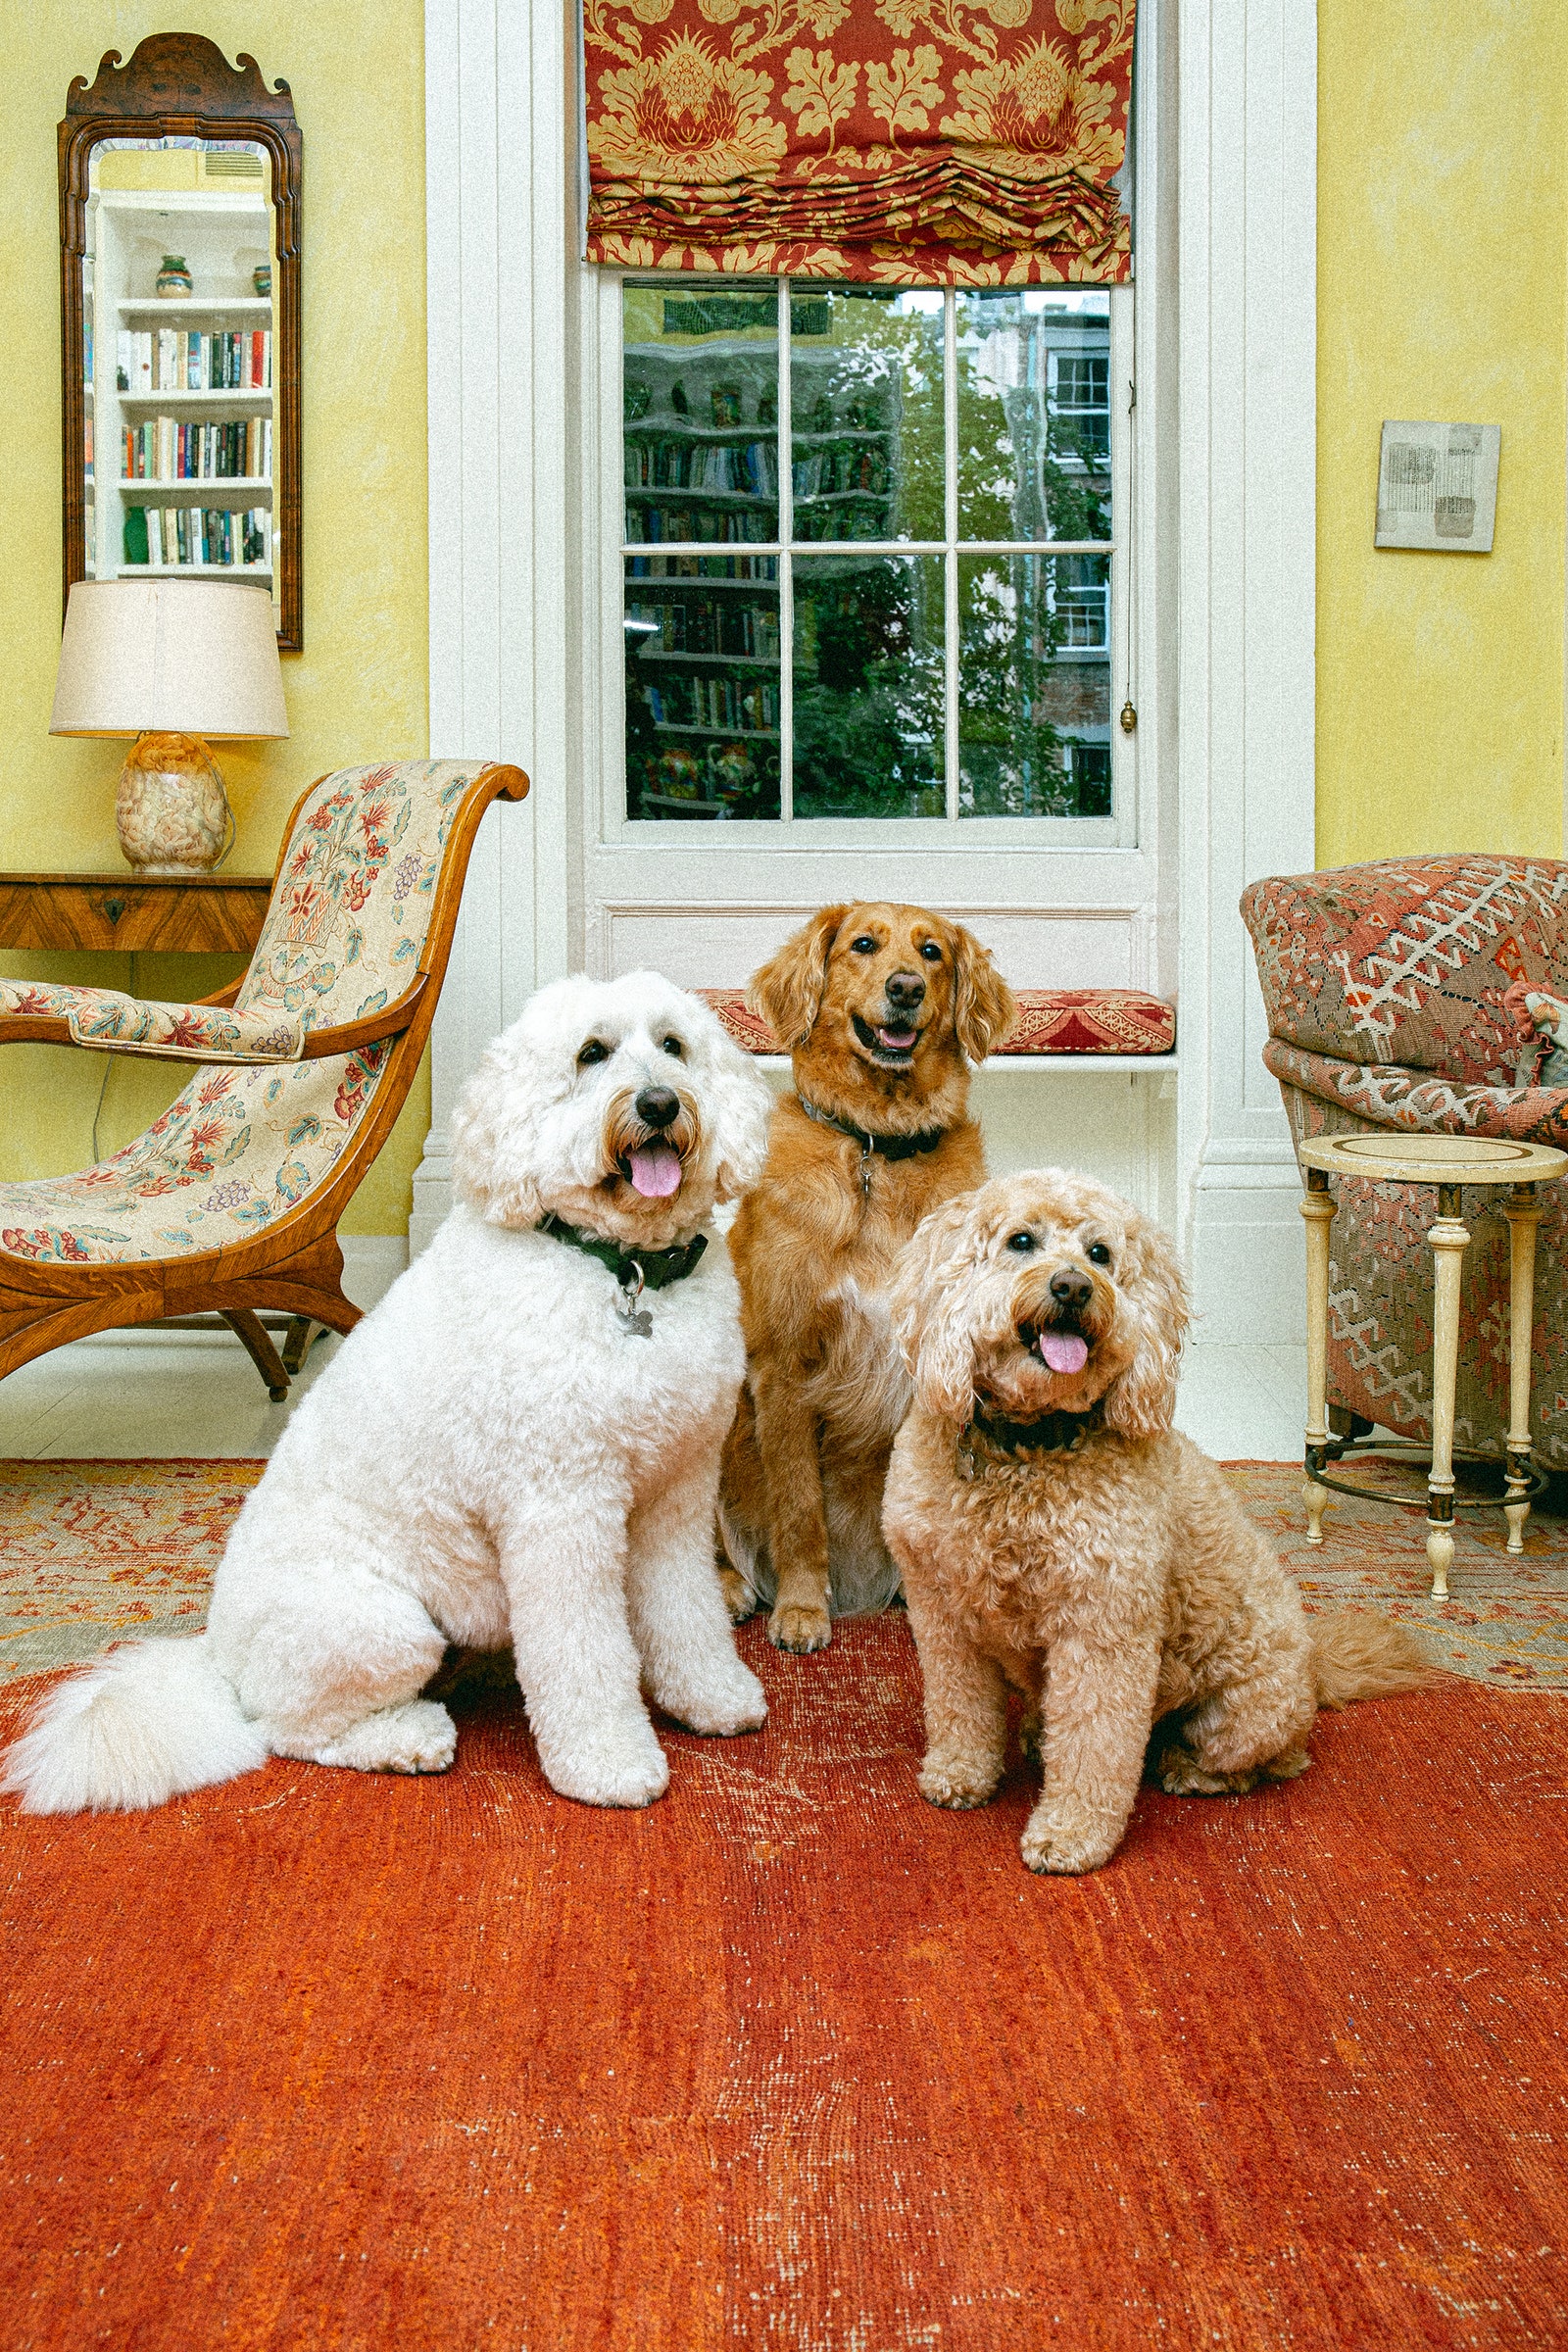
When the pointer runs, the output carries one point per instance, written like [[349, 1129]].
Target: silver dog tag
[[637, 1324]]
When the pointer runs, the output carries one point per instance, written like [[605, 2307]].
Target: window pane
[[868, 686], [700, 392], [1034, 415], [1034, 706], [866, 413], [701, 686]]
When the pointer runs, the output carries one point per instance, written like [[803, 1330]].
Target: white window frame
[[763, 836], [1224, 484]]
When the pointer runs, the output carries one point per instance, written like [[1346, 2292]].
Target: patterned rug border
[[132, 1548]]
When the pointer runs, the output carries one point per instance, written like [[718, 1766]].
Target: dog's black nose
[[655, 1105], [1071, 1290], [905, 990]]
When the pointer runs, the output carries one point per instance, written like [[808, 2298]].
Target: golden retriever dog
[[882, 1009], [1057, 1534]]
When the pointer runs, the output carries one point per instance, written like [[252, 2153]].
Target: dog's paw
[[1180, 1774], [1287, 1766], [625, 1772], [721, 1709], [420, 1737], [739, 1598], [800, 1627], [951, 1781], [1064, 1838]]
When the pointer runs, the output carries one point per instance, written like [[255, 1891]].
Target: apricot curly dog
[[1055, 1533]]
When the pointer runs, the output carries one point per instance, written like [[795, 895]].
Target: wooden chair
[[229, 1201]]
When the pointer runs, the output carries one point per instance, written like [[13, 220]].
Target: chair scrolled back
[[1404, 962], [239, 1148], [351, 908]]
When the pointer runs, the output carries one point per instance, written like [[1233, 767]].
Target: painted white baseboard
[[372, 1264]]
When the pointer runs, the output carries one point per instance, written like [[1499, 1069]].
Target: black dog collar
[[890, 1147], [1053, 1433], [633, 1269]]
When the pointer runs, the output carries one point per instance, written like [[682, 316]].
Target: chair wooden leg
[[300, 1337], [247, 1329]]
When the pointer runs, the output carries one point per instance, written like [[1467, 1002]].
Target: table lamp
[[172, 662]]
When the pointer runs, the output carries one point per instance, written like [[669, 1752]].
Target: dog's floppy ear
[[930, 1297], [984, 1012], [1141, 1401], [492, 1165], [738, 1107], [788, 991]]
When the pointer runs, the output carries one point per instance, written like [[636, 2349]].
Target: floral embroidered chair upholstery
[[1385, 987], [229, 1201]]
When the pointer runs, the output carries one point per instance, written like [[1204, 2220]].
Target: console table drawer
[[194, 914]]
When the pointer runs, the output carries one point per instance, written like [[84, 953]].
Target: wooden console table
[[194, 914]]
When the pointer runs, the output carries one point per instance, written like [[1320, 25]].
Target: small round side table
[[1447, 1161]]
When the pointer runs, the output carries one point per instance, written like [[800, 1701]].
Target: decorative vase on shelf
[[174, 283], [262, 278]]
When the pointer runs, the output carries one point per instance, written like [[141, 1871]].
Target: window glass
[[1034, 414], [701, 686], [960, 445], [700, 398], [868, 674], [865, 413]]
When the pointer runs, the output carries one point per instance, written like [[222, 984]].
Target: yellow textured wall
[[1442, 270], [359, 689]]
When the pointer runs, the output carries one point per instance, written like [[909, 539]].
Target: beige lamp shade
[[179, 657]]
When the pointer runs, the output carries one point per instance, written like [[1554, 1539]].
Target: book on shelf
[[708, 525], [178, 359], [723, 705], [225, 536], [751, 468], [168, 449], [696, 627]]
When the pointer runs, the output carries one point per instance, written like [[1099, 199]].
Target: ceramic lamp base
[[171, 812]]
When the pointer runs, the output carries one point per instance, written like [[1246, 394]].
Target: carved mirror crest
[[180, 280]]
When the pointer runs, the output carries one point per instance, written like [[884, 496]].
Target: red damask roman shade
[[905, 142]]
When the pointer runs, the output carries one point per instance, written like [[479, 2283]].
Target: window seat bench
[[1079, 1032]]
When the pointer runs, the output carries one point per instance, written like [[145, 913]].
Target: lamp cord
[[109, 1063]]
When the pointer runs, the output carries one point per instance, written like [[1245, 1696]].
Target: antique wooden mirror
[[180, 283]]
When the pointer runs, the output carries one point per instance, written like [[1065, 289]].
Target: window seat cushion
[[1050, 1020]]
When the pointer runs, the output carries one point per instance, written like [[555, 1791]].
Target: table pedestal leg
[[1524, 1213], [1317, 1207], [1449, 1242]]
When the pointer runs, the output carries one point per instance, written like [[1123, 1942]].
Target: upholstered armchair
[[1385, 990], [229, 1203]]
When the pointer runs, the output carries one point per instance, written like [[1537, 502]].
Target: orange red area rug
[[323, 2062]]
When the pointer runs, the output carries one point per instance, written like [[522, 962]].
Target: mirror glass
[[179, 297]]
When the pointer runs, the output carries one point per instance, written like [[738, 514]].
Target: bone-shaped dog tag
[[639, 1326]]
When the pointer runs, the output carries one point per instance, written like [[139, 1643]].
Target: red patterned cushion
[[1407, 961], [1050, 1020]]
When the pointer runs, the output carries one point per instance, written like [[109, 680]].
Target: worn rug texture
[[90, 1551], [328, 2062]]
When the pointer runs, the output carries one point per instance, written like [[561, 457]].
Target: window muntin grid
[[859, 658]]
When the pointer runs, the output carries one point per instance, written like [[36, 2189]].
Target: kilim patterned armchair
[[1384, 992], [229, 1201]]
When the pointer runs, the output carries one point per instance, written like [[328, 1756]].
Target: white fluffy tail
[[149, 1720]]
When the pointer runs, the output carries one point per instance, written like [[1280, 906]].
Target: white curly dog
[[521, 1444]]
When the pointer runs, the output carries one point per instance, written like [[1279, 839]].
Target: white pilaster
[[1247, 394], [500, 163]]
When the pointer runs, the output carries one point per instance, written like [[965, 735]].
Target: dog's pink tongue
[[656, 1170], [1063, 1350]]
